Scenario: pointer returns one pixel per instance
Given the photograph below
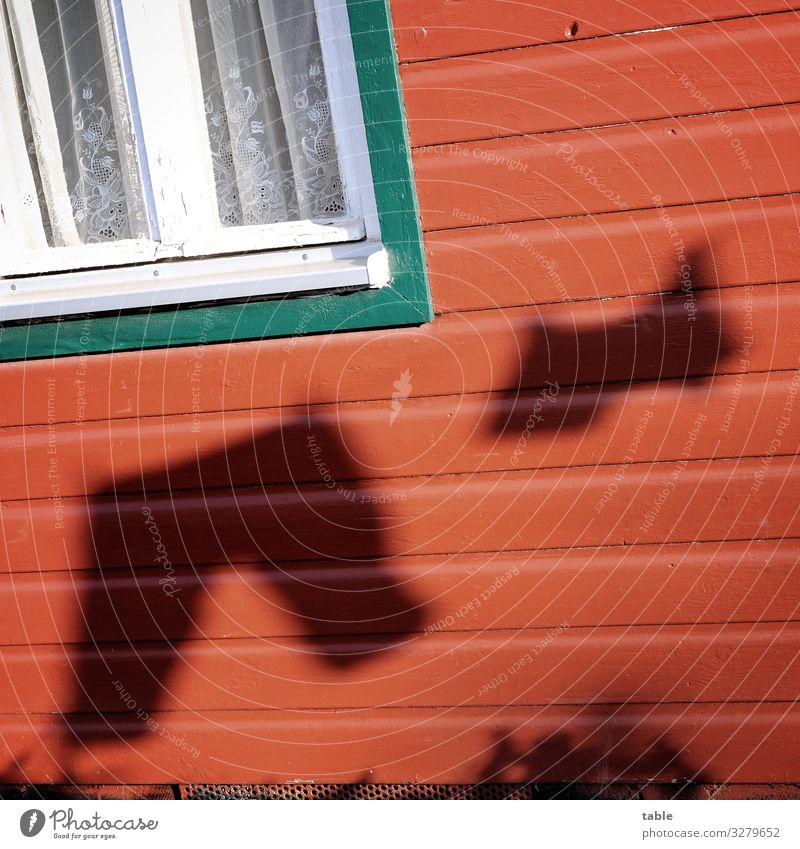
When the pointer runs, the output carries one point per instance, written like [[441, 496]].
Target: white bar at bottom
[[403, 824]]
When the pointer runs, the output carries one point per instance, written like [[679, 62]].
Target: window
[[187, 151]]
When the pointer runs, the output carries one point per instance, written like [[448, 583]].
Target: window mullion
[[345, 103], [169, 96], [116, 39]]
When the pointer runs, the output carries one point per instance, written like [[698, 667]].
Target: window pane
[[77, 122], [268, 115]]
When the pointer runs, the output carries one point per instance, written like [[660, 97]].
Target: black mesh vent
[[359, 791]]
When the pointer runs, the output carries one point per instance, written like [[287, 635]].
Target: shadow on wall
[[680, 337], [195, 517], [597, 755]]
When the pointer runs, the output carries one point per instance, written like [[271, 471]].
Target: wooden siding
[[434, 29], [552, 535]]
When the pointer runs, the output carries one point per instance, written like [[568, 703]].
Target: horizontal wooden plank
[[681, 501], [678, 160], [728, 582], [565, 426], [563, 665], [623, 253], [430, 29], [735, 330], [747, 62], [713, 743]]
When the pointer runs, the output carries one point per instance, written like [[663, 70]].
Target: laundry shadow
[[680, 336], [675, 335], [162, 541], [303, 561]]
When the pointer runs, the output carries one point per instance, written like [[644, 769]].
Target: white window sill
[[359, 265]]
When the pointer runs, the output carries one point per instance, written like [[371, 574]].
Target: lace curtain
[[270, 135], [267, 108], [76, 121]]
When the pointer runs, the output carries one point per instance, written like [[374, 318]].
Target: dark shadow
[[601, 760], [86, 792], [316, 552], [304, 562], [675, 335]]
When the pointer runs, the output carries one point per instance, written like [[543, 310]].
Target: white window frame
[[240, 262]]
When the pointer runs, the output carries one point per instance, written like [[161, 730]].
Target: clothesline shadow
[[161, 541]]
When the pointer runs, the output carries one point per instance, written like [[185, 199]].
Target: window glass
[[268, 113], [76, 122]]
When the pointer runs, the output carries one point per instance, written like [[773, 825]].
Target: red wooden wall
[[553, 535]]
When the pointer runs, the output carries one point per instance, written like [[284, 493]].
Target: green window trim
[[405, 301]]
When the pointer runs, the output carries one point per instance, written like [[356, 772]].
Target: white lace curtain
[[270, 135], [76, 121], [266, 102]]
